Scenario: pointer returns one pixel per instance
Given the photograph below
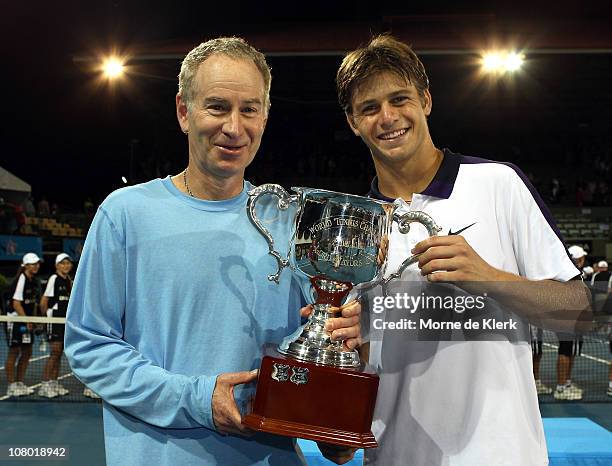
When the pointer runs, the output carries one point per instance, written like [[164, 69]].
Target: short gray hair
[[233, 47]]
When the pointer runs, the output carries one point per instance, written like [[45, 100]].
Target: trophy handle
[[403, 223], [284, 202]]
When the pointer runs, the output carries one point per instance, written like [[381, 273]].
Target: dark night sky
[[69, 138]]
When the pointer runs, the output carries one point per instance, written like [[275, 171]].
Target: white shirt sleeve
[[539, 251], [50, 289], [18, 295]]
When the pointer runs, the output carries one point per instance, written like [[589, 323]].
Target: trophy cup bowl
[[338, 243]]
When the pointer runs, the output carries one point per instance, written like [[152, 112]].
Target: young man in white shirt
[[448, 402]]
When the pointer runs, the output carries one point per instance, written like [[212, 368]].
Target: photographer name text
[[431, 324]]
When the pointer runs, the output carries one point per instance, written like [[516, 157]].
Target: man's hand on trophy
[[336, 453], [306, 310], [347, 327], [453, 260], [226, 415]]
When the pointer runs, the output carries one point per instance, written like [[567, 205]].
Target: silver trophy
[[339, 242]]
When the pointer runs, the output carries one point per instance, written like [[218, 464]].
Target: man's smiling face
[[226, 120], [390, 117]]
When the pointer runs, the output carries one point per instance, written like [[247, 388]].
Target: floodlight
[[113, 68], [513, 62], [500, 62], [492, 62]]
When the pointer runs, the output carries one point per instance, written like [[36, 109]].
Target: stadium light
[[113, 67], [492, 62], [502, 62], [514, 61]]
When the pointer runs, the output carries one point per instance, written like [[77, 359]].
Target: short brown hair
[[383, 53], [233, 47]]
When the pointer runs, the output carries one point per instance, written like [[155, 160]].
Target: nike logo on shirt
[[451, 232]]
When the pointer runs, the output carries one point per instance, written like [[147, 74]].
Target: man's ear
[[352, 123], [182, 113], [426, 102]]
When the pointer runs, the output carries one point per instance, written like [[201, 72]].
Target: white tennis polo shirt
[[467, 403]]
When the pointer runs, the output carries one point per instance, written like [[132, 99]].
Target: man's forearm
[[44, 305], [18, 307], [559, 306]]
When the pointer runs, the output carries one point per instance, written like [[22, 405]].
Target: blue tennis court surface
[[577, 442], [314, 458], [572, 441]]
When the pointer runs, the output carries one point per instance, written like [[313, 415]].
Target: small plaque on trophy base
[[315, 402]]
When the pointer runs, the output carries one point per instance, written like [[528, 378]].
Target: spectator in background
[[607, 309], [25, 294], [609, 391], [569, 347], [602, 278], [587, 273], [54, 303], [28, 207], [602, 194], [537, 341], [43, 207], [20, 219], [602, 165], [595, 269], [578, 255], [10, 226], [556, 192], [589, 193], [6, 217]]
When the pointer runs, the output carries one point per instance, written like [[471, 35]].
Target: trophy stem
[[312, 342], [329, 291]]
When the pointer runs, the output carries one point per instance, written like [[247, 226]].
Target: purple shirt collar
[[442, 184]]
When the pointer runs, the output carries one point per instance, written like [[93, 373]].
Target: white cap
[[61, 257], [576, 252], [602, 264], [30, 258], [588, 270]]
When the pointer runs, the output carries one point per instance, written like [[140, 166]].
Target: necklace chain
[[185, 181]]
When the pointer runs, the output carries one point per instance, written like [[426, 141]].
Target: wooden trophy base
[[301, 399]]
